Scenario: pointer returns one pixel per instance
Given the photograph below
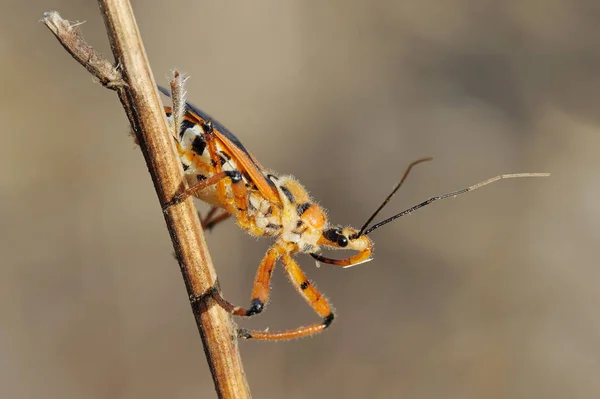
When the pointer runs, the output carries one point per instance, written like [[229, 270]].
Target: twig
[[135, 85], [69, 35]]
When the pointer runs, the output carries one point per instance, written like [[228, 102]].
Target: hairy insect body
[[220, 171], [295, 219], [303, 221]]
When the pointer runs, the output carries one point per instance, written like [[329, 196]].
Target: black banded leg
[[260, 292], [314, 298]]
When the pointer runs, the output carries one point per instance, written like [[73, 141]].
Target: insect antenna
[[452, 194], [385, 202]]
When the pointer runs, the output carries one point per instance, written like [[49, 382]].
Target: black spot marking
[[328, 320], [274, 226], [199, 144], [168, 114], [302, 208], [185, 125], [304, 285], [235, 175], [223, 158], [269, 211], [200, 177], [299, 223], [256, 306], [185, 167], [208, 127], [288, 194]]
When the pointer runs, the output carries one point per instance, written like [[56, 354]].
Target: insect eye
[[342, 241]]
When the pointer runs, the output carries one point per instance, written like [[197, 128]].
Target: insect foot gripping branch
[[222, 172]]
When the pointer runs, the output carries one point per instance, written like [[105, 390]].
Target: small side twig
[[69, 35], [135, 85]]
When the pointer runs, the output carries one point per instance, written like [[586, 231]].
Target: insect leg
[[209, 215], [260, 292], [211, 145], [239, 205], [210, 224], [234, 175], [314, 298], [210, 220]]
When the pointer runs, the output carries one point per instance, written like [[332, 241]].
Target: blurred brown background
[[492, 295]]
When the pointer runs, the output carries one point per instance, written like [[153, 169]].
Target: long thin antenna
[[385, 202], [452, 194]]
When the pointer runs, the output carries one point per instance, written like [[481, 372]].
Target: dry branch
[[134, 83]]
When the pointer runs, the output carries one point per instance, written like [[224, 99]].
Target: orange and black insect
[[223, 173]]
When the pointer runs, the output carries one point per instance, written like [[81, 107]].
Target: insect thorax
[[302, 220]]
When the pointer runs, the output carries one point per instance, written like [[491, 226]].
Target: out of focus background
[[492, 295]]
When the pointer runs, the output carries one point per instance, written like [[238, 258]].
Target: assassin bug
[[220, 171]]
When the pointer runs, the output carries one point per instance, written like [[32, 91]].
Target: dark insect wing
[[255, 169], [216, 124]]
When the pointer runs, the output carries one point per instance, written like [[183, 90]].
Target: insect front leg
[[315, 299], [260, 292]]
